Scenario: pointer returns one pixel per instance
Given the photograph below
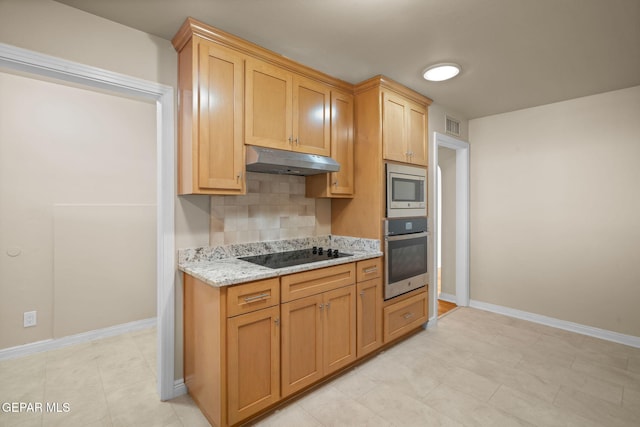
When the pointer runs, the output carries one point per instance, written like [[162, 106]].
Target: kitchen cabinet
[[285, 110], [232, 348], [253, 365], [337, 184], [318, 325], [301, 343], [369, 306], [405, 314], [390, 121], [249, 346], [211, 145], [232, 92], [404, 125]]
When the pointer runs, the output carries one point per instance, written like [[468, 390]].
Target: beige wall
[[437, 121], [447, 163], [554, 210], [77, 209], [58, 30]]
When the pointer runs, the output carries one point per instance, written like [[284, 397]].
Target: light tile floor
[[475, 369]]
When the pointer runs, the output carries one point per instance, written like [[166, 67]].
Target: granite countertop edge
[[233, 271]]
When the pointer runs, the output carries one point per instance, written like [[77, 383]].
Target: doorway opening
[[23, 60], [449, 164]]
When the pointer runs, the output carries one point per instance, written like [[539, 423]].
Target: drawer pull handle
[[370, 270], [256, 297], [407, 316]]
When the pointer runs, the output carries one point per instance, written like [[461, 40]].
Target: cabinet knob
[[320, 306], [362, 294], [291, 140], [335, 183], [297, 142], [277, 321], [239, 176]]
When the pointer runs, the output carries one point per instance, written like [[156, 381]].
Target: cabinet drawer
[[252, 296], [404, 316], [300, 285], [369, 269]]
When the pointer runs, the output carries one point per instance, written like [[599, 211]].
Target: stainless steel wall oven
[[406, 242]]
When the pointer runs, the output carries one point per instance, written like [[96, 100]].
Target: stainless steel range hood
[[269, 160]]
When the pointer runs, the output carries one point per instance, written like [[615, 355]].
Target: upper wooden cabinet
[[390, 121], [285, 110], [404, 127], [337, 184], [211, 150], [233, 92]]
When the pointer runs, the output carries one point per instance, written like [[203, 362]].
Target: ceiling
[[514, 53]]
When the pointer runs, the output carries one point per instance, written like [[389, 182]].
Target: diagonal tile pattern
[[475, 369]]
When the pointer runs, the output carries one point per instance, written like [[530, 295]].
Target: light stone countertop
[[212, 267]]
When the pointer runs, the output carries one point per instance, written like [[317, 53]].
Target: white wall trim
[[179, 387], [591, 331], [447, 297], [56, 343], [462, 217], [14, 58]]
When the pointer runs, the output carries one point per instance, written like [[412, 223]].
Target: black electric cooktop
[[297, 257]]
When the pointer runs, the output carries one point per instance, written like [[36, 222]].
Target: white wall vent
[[452, 126]]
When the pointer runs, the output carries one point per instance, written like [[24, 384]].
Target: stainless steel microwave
[[406, 191]]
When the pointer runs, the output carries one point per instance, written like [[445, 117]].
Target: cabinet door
[[339, 328], [254, 362], [311, 117], [369, 310], [220, 145], [301, 343], [394, 119], [417, 134], [404, 316], [342, 143], [268, 109]]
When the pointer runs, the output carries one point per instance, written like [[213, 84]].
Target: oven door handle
[[395, 237]]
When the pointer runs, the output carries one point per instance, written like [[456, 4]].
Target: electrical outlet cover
[[30, 319]]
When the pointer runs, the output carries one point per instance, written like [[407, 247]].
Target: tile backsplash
[[274, 208]]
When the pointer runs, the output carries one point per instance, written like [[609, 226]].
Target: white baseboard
[[179, 387], [447, 297], [55, 343], [604, 334]]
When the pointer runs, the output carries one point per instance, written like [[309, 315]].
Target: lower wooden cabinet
[[301, 343], [253, 364], [318, 337], [369, 305], [251, 345], [339, 328], [405, 315], [369, 311]]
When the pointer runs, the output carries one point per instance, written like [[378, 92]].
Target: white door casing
[[462, 218]]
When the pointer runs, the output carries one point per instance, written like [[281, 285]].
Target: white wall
[[555, 198]]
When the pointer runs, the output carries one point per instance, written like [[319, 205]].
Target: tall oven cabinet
[[391, 127]]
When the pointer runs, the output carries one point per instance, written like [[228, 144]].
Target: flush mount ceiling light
[[441, 72]]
